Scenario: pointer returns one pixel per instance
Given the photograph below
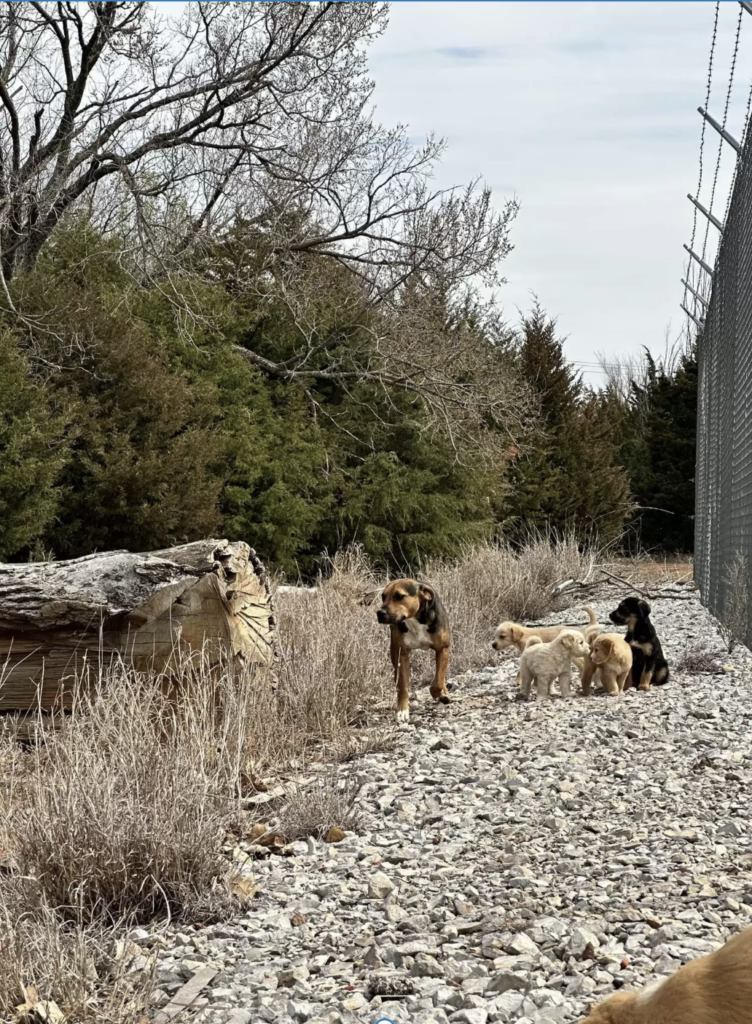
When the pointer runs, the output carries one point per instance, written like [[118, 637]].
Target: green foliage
[[659, 447], [572, 480], [32, 450], [148, 431], [137, 472], [174, 436]]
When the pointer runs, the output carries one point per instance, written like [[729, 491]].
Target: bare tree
[[241, 108], [170, 132]]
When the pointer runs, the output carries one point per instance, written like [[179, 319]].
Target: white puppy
[[546, 662]]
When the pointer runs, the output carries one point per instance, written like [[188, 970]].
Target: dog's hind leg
[[646, 679], [543, 685], [623, 680], [660, 677], [610, 684], [526, 681], [438, 687]]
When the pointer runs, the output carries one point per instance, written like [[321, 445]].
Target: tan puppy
[[512, 634], [611, 658], [546, 662], [714, 989]]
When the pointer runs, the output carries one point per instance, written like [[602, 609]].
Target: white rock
[[379, 886]]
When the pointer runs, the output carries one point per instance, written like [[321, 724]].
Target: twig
[[620, 579]]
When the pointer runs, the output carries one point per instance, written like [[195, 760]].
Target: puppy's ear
[[607, 645], [426, 594], [644, 607], [567, 640], [516, 633]]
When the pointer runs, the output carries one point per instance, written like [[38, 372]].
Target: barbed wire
[[742, 144], [690, 271], [721, 141], [698, 284]]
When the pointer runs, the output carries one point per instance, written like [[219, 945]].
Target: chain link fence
[[723, 504]]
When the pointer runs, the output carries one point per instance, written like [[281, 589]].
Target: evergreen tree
[[662, 469], [175, 437], [572, 480], [32, 452]]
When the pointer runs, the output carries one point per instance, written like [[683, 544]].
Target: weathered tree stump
[[59, 619]]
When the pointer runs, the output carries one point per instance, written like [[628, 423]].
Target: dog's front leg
[[587, 676], [438, 687], [565, 683], [646, 679], [403, 687]]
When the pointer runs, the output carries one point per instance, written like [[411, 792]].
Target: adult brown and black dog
[[417, 621], [714, 989]]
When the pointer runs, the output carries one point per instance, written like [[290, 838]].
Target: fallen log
[[58, 619]]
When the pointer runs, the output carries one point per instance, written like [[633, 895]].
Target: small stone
[[507, 981], [473, 1016], [731, 828], [354, 1002], [379, 886], [522, 945], [580, 939]]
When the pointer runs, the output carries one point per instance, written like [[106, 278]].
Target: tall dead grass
[[496, 582]]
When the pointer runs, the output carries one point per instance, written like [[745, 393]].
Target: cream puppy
[[546, 662]]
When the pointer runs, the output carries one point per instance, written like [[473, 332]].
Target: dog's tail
[[592, 619], [532, 641]]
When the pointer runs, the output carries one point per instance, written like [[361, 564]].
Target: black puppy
[[648, 664]]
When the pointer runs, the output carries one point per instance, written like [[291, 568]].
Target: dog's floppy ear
[[644, 607], [568, 640], [607, 644], [427, 594]]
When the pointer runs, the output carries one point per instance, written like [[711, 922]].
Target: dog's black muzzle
[[617, 618], [387, 619]]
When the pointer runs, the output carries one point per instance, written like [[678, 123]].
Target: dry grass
[[496, 582], [314, 809], [697, 661], [117, 815], [333, 661]]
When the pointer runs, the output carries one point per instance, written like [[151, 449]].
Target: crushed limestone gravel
[[519, 861]]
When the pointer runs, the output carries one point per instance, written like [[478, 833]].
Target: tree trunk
[[59, 619]]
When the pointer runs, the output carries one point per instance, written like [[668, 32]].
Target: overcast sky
[[587, 112]]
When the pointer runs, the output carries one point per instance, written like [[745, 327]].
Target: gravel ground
[[520, 860]]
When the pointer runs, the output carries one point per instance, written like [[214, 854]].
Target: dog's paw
[[403, 716], [444, 699]]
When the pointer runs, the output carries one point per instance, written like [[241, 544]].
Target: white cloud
[[587, 112]]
